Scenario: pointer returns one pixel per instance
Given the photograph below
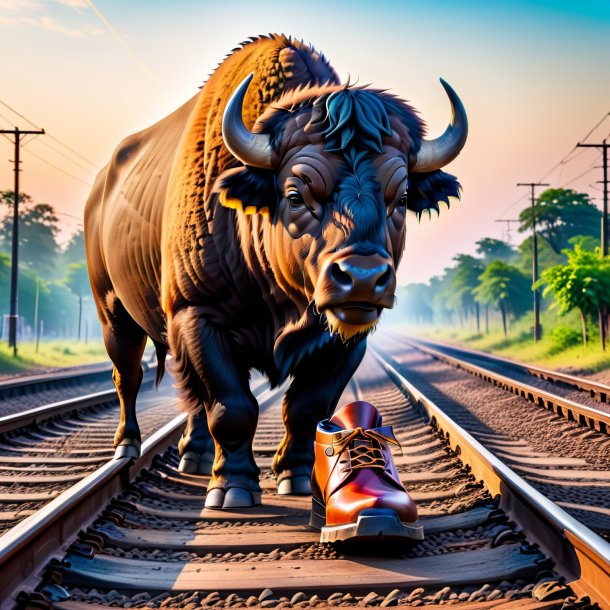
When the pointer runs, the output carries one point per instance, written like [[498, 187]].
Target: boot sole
[[372, 524]]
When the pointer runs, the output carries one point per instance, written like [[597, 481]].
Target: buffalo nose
[[363, 277]]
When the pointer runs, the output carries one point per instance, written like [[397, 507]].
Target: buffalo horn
[[250, 148], [435, 154]]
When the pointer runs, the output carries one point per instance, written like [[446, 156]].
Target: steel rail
[[580, 555], [14, 421], [600, 391], [564, 407], [13, 383], [30, 545], [25, 384]]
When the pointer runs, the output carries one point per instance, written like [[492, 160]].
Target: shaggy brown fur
[[234, 268]]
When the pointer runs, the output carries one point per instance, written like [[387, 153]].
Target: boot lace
[[365, 447]]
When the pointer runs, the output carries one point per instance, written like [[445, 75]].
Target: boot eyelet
[[329, 451]]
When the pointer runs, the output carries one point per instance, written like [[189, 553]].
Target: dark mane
[[354, 117]]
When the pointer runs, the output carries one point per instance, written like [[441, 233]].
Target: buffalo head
[[330, 172]]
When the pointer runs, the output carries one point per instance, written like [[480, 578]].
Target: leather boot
[[357, 493]]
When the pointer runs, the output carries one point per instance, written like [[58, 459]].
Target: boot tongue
[[355, 414]]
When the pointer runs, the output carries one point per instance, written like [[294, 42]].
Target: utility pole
[[533, 185], [508, 223], [12, 322], [604, 146]]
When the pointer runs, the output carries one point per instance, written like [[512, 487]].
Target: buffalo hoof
[[234, 497], [128, 448], [196, 463], [294, 486]]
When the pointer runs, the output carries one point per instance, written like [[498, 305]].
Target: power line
[[591, 167], [97, 167], [565, 160], [83, 167], [511, 206], [59, 169], [6, 119], [50, 135], [79, 218], [596, 126], [19, 114]]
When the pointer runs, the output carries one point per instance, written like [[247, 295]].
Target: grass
[[560, 347], [51, 354]]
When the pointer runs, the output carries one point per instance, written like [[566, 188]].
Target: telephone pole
[[533, 185], [14, 315], [604, 146], [508, 229]]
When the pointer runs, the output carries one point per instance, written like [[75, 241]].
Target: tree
[[583, 283], [586, 242], [38, 229], [77, 280], [561, 214], [464, 281], [495, 250], [74, 251], [505, 287], [547, 257], [415, 303], [441, 299]]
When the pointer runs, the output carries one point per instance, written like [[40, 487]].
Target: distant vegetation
[[495, 286], [57, 273]]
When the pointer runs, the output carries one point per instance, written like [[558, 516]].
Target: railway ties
[[155, 545], [39, 461], [568, 462]]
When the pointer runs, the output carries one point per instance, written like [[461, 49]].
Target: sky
[[533, 76]]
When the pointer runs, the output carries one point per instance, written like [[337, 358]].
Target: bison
[[259, 226]]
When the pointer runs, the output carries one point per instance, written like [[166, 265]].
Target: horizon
[[531, 75]]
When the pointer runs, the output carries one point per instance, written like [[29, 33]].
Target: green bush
[[562, 338]]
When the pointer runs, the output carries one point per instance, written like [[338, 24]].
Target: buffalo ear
[[427, 189], [247, 189]]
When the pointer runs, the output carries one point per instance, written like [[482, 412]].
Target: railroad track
[[23, 392], [146, 540], [575, 398], [599, 392], [45, 450], [22, 385], [563, 457]]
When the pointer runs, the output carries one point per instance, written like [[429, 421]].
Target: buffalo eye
[[298, 204], [295, 200], [400, 203]]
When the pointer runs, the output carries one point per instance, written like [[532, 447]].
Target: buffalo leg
[[125, 342], [312, 396], [196, 447], [208, 364]]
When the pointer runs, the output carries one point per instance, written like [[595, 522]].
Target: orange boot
[[357, 493]]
